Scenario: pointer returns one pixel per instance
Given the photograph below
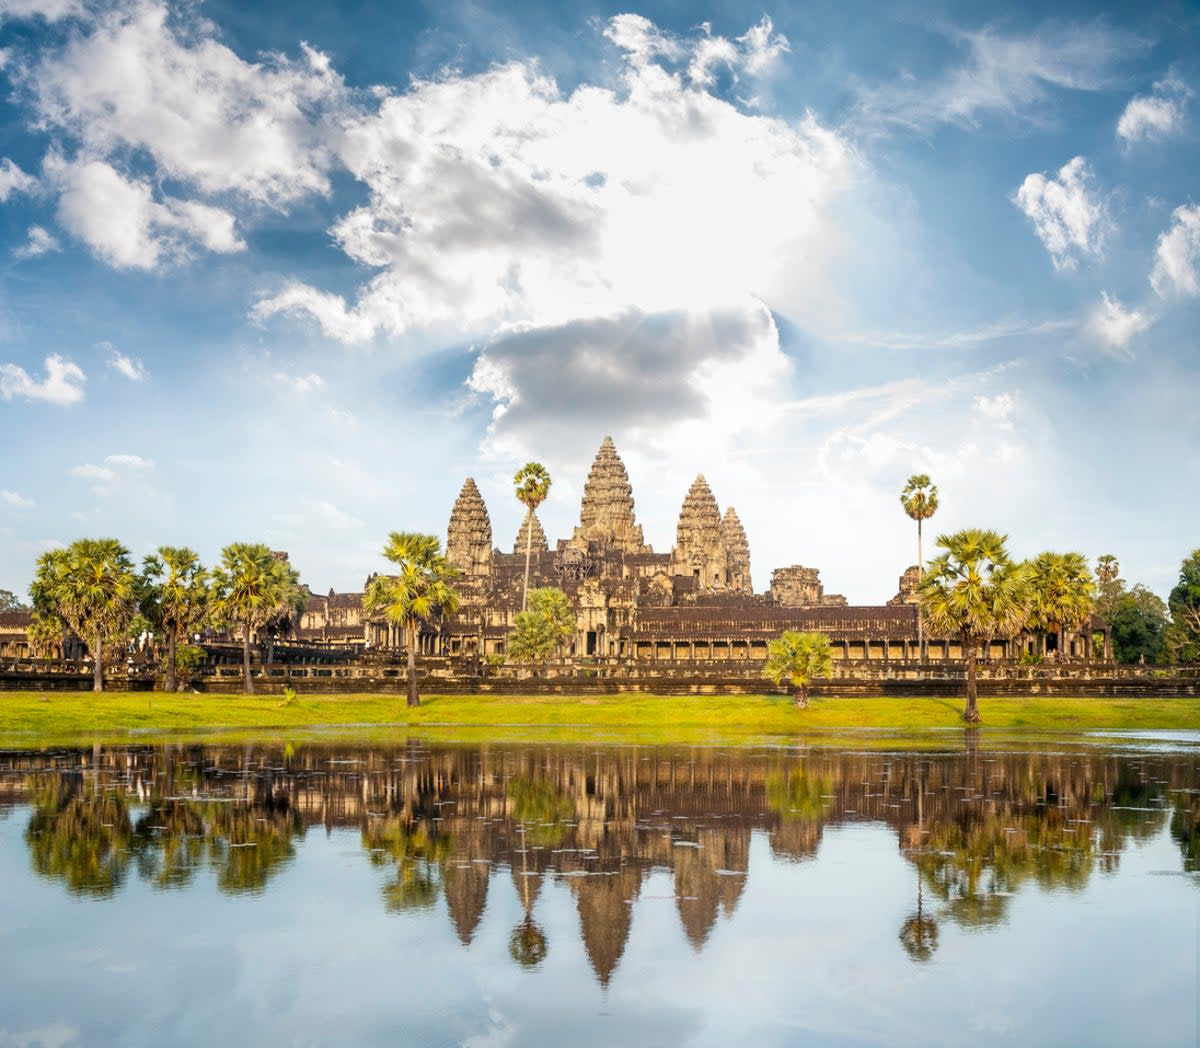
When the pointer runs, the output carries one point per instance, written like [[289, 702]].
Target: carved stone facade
[[606, 519], [908, 587], [538, 543], [800, 587]]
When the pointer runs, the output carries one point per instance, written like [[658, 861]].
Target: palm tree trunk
[[246, 657], [971, 713], [800, 697], [98, 662], [170, 684], [414, 699], [920, 572], [528, 550]]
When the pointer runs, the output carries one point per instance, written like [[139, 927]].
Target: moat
[[515, 894]]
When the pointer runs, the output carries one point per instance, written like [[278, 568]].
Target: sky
[[289, 273]]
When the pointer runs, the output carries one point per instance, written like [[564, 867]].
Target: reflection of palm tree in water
[[919, 934]]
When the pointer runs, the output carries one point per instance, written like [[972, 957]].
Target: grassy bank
[[37, 716]]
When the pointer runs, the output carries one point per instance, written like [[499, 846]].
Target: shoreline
[[33, 718]]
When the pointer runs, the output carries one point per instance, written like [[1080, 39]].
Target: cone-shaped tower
[[469, 537], [606, 514], [699, 543], [539, 544], [465, 885], [737, 551]]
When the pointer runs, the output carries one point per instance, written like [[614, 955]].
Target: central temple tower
[[606, 513]]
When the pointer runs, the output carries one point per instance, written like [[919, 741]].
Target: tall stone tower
[[606, 513], [469, 537], [539, 544], [700, 551], [737, 551]]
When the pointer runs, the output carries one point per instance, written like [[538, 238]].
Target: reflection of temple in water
[[445, 822]]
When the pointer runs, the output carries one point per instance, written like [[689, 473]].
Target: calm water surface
[[544, 895]]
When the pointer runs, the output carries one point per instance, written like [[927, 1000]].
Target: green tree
[[92, 588], [1184, 603], [974, 591], [175, 598], [801, 658], [1062, 594], [532, 483], [1139, 624], [544, 628], [9, 601], [251, 588], [1110, 586], [421, 590]]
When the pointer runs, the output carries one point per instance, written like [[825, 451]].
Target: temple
[[694, 604]]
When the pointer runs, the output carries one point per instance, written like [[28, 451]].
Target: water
[[544, 895]]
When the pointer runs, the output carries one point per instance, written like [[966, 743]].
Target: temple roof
[[606, 511], [539, 545]]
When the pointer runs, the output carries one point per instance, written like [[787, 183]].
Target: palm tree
[[176, 597], [801, 658], [541, 631], [974, 590], [90, 586], [532, 482], [1063, 594], [420, 590], [920, 501], [250, 588]]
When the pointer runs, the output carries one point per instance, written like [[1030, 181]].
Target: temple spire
[[699, 543], [539, 543], [469, 536], [737, 551], [606, 513]]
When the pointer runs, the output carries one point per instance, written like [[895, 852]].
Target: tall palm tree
[[175, 599], [920, 501], [419, 590], [250, 588], [1063, 594], [532, 483], [90, 586], [801, 658], [974, 590]]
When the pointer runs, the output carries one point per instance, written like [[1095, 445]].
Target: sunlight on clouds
[[62, 385], [496, 199], [1066, 217], [1176, 254]]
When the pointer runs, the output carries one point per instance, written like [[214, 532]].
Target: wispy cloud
[[115, 468], [62, 385], [1002, 76], [15, 500], [132, 369], [1113, 327], [40, 242]]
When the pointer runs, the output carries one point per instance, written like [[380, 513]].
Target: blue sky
[[290, 273]]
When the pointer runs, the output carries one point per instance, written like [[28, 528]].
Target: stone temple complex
[[695, 603]]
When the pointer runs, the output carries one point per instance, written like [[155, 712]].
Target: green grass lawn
[[27, 717]]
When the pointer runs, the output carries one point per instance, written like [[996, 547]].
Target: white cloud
[[1067, 218], [1003, 76], [114, 470], [320, 514], [14, 180], [141, 81], [496, 199], [1154, 116], [762, 47], [132, 369], [1176, 254], [15, 500], [40, 242], [62, 385], [998, 408], [1113, 326], [119, 219], [301, 384]]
